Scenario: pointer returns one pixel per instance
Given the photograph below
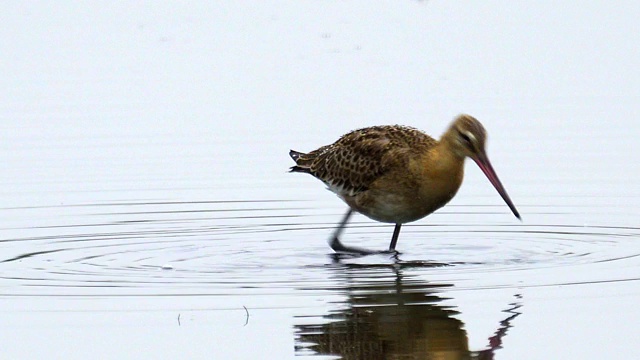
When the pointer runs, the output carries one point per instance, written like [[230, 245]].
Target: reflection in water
[[398, 317]]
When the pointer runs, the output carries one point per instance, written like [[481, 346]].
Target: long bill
[[485, 165]]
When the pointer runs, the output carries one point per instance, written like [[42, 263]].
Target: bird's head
[[466, 137]]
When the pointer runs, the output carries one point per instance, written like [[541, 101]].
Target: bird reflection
[[394, 317]]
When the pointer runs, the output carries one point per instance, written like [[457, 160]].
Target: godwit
[[398, 174]]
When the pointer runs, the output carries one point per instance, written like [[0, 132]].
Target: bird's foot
[[393, 252], [341, 249]]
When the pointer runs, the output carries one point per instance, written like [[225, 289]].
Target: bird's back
[[358, 158]]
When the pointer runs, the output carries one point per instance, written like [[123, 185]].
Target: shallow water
[[147, 211]]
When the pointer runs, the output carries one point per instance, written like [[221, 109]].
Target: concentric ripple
[[138, 248]]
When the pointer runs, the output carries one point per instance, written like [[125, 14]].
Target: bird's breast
[[410, 193]]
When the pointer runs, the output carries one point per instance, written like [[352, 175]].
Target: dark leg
[[394, 238], [336, 234], [337, 246]]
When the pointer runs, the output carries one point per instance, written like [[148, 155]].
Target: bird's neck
[[443, 161], [441, 172], [448, 143]]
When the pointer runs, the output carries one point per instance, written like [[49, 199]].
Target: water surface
[[147, 210]]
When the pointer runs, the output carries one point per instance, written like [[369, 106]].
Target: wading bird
[[398, 174]]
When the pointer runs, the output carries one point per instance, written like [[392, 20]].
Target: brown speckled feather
[[352, 163]]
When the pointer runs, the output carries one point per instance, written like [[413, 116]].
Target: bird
[[397, 174]]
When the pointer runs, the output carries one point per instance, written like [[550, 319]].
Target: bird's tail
[[301, 164]]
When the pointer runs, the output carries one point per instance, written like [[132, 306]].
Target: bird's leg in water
[[339, 247], [394, 238]]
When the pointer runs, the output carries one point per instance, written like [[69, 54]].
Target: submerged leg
[[339, 247], [394, 238], [335, 243], [336, 234]]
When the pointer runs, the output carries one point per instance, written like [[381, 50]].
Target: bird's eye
[[465, 137]]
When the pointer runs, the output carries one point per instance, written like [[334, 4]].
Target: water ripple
[[214, 247]]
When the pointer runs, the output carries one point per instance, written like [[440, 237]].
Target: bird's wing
[[358, 158]]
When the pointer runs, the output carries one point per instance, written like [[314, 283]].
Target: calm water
[[147, 211]]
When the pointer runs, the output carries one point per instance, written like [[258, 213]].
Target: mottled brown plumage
[[352, 163], [398, 174]]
